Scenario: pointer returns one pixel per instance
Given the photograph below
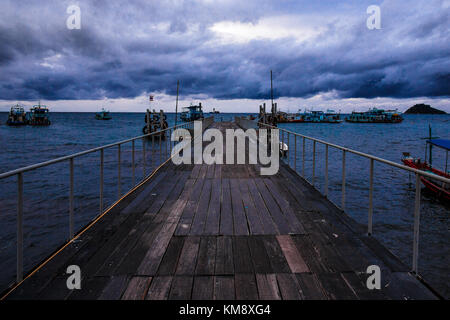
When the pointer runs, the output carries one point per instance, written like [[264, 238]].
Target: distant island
[[423, 109]]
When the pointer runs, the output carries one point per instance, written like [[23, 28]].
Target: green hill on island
[[423, 109]]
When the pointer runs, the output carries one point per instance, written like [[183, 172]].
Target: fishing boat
[[435, 187], [215, 111], [17, 116], [103, 115], [39, 115], [375, 115], [317, 117], [192, 113], [284, 117]]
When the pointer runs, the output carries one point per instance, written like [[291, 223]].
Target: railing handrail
[[366, 155], [78, 154]]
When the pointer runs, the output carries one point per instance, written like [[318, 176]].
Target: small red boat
[[440, 189]]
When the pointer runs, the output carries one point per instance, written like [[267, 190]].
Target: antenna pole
[[176, 105]]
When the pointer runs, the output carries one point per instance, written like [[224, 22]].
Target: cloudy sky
[[321, 52]]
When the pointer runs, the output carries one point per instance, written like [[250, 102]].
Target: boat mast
[[271, 88], [176, 105]]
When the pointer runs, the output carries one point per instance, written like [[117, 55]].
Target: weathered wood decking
[[224, 232]]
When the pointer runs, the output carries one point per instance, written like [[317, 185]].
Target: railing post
[[71, 200], [343, 181], [153, 152], [143, 155], [369, 224], [101, 179], [19, 273], [132, 164], [295, 152], [416, 226], [303, 159], [314, 163], [118, 172], [160, 148], [326, 170], [288, 150]]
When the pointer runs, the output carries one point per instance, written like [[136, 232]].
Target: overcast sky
[[321, 52]]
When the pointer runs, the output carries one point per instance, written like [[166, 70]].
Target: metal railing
[[157, 135], [285, 136]]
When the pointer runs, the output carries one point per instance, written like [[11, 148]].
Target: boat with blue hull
[[192, 113], [17, 116], [375, 116], [103, 115], [39, 116], [309, 117]]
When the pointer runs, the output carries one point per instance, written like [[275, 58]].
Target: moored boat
[[438, 188], [39, 115], [17, 116], [103, 115], [375, 116], [316, 117], [192, 113]]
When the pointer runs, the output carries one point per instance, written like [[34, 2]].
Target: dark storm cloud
[[125, 49]]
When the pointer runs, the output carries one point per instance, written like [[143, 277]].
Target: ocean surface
[[46, 190]]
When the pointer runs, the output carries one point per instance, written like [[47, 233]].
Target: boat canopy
[[441, 143]]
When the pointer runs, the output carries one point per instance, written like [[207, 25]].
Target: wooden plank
[[212, 225], [310, 287], [312, 258], [261, 261], [254, 221], [185, 222], [203, 288], [154, 255], [188, 257], [359, 287], [245, 285], [277, 259], [224, 288], [137, 288], [206, 256], [267, 287], [224, 256], [199, 220], [195, 171], [267, 222], [159, 288], [275, 212], [293, 257], [241, 255], [285, 206], [335, 287], [210, 171], [288, 286], [218, 171], [91, 288], [181, 288], [239, 217], [226, 211], [115, 288], [170, 260]]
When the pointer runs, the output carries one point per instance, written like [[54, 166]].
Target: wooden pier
[[223, 232]]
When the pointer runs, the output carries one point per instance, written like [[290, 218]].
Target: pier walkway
[[223, 232]]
